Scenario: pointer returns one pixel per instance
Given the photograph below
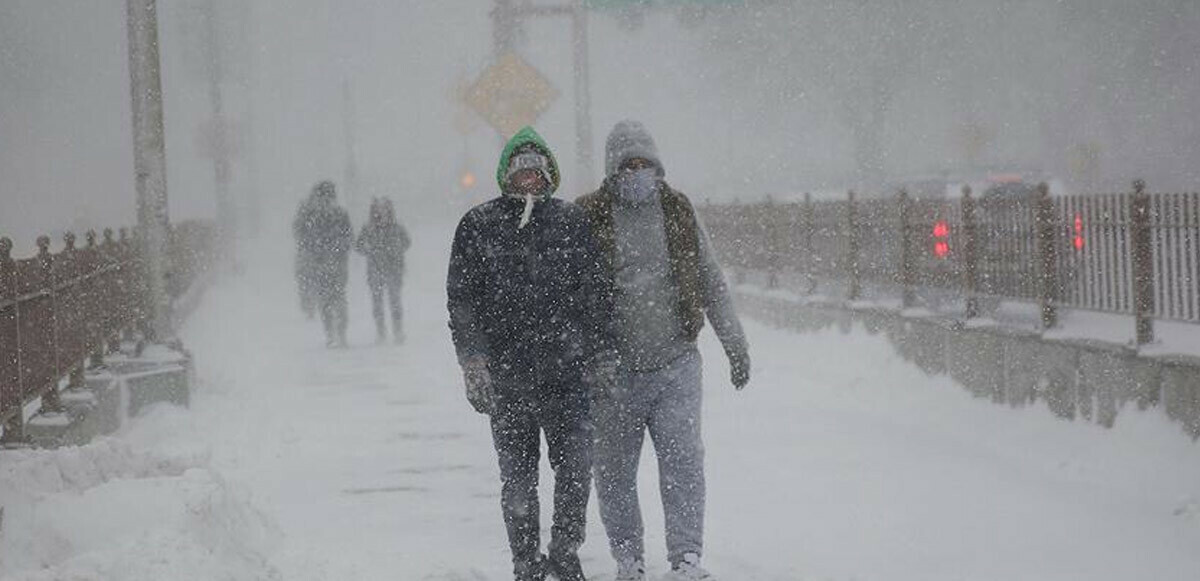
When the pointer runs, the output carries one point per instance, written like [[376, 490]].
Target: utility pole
[[506, 22], [222, 170], [583, 95], [351, 187], [149, 154]]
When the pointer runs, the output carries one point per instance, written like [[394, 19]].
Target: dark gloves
[[601, 372], [479, 384], [739, 368]]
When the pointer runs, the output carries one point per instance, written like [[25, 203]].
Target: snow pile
[[119, 509]]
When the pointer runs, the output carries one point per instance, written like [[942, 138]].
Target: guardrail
[[57, 309], [1131, 253]]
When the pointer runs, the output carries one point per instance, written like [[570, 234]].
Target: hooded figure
[[530, 316], [325, 237], [666, 282], [384, 241], [305, 284]]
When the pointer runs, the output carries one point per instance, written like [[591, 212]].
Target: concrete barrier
[[1087, 380]]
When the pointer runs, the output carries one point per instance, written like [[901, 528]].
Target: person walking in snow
[[303, 264], [384, 241], [531, 316], [666, 282], [327, 236]]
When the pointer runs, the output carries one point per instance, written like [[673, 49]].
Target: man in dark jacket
[[530, 315], [303, 266], [327, 236], [384, 241], [666, 281]]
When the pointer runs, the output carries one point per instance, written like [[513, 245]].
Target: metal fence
[[1131, 253], [57, 309]]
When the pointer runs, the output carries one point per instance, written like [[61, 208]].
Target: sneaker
[[689, 569], [631, 570], [566, 568]]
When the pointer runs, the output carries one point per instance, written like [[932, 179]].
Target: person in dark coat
[[384, 241], [531, 320], [303, 266], [327, 237]]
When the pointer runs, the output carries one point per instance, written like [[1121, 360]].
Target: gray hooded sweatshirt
[[652, 335]]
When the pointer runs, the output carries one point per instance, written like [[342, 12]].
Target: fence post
[[970, 253], [10, 382], [855, 290], [1047, 234], [50, 400], [809, 253], [1143, 263], [907, 297], [771, 225]]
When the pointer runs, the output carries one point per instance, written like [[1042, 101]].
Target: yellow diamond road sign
[[510, 94]]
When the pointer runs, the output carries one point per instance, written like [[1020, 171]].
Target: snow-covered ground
[[840, 461]]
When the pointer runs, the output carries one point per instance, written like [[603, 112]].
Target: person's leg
[[342, 311], [674, 428], [377, 310], [397, 308], [566, 422], [516, 436], [325, 304], [620, 422]]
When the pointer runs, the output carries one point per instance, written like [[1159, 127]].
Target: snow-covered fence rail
[[1131, 253], [57, 309]]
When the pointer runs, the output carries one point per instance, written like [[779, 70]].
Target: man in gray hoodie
[[666, 281]]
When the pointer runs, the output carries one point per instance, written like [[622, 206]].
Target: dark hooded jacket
[[534, 301], [383, 241]]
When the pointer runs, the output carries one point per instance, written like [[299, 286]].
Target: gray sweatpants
[[667, 404]]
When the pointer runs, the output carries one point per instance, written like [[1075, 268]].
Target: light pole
[[506, 21], [149, 154]]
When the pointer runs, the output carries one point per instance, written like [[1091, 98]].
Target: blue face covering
[[637, 186]]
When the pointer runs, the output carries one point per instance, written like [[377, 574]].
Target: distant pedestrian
[[305, 285], [384, 241], [327, 237]]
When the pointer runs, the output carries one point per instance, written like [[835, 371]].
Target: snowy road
[[840, 461]]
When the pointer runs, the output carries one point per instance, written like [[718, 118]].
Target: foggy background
[[760, 97]]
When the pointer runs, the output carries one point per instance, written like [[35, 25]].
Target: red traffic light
[[941, 242]]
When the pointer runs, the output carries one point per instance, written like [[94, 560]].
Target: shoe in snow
[[566, 568], [689, 569], [631, 570], [534, 571]]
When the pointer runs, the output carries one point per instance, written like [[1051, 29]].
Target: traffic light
[[467, 181], [941, 239]]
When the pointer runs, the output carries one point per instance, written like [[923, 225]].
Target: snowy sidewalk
[[840, 461]]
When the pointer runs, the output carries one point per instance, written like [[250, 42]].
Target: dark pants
[[517, 424], [332, 304], [391, 287]]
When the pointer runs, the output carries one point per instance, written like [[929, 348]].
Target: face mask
[[637, 186]]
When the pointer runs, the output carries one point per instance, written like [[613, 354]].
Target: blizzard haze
[[841, 460], [761, 97]]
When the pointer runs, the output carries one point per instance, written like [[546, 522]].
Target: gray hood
[[629, 139]]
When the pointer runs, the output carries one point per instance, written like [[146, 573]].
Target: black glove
[[739, 368], [479, 384]]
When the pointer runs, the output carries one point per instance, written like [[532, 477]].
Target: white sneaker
[[633, 570], [689, 569]]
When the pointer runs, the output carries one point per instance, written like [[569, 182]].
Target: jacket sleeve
[[463, 287], [598, 294], [718, 305]]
